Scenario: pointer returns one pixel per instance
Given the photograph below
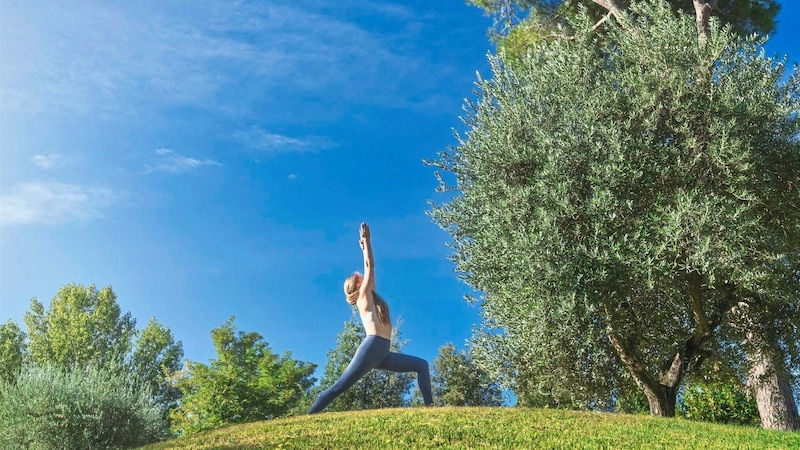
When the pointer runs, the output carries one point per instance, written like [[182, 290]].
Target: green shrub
[[721, 403], [48, 408]]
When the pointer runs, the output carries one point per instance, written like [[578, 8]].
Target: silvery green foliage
[[631, 182], [85, 408]]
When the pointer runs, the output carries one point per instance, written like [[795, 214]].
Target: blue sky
[[209, 159]]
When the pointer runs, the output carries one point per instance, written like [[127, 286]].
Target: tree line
[[81, 375]]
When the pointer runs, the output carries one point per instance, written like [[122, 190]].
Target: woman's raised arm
[[368, 284]]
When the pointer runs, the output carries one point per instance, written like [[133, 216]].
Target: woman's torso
[[371, 321]]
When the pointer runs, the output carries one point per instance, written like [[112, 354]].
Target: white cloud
[[113, 57], [51, 203], [48, 161], [168, 160], [257, 139]]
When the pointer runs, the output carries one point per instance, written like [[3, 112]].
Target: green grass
[[474, 428]]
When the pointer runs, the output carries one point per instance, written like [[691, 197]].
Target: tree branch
[[703, 332], [601, 21], [638, 371], [702, 12], [702, 325], [672, 376], [614, 7]]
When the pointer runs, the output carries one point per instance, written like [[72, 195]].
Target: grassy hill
[[469, 428]]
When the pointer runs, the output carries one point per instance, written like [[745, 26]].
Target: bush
[[721, 403], [49, 408]]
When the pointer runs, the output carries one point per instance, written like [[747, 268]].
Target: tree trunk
[[661, 400], [661, 392], [767, 378], [770, 384], [702, 12], [661, 395]]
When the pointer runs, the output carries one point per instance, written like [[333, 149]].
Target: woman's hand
[[364, 232]]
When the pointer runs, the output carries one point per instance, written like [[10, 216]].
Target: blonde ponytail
[[383, 309], [351, 288]]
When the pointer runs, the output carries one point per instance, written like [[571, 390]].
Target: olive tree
[[637, 185]]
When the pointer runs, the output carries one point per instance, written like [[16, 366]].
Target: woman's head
[[351, 286]]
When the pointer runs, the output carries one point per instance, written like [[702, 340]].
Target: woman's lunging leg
[[398, 362], [369, 354]]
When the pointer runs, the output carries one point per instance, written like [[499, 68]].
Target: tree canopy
[[82, 326], [518, 24], [12, 350], [155, 357]]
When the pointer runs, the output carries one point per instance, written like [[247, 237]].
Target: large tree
[[378, 388], [245, 383], [519, 24], [641, 182]]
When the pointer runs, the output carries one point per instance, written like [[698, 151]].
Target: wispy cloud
[[257, 139], [168, 160], [117, 57], [47, 161], [52, 203]]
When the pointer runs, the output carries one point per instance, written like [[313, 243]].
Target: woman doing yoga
[[373, 353]]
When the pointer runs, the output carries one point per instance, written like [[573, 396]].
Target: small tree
[[12, 350], [155, 357], [378, 388], [246, 383], [458, 381]]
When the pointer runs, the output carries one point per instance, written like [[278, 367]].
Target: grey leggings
[[373, 353]]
